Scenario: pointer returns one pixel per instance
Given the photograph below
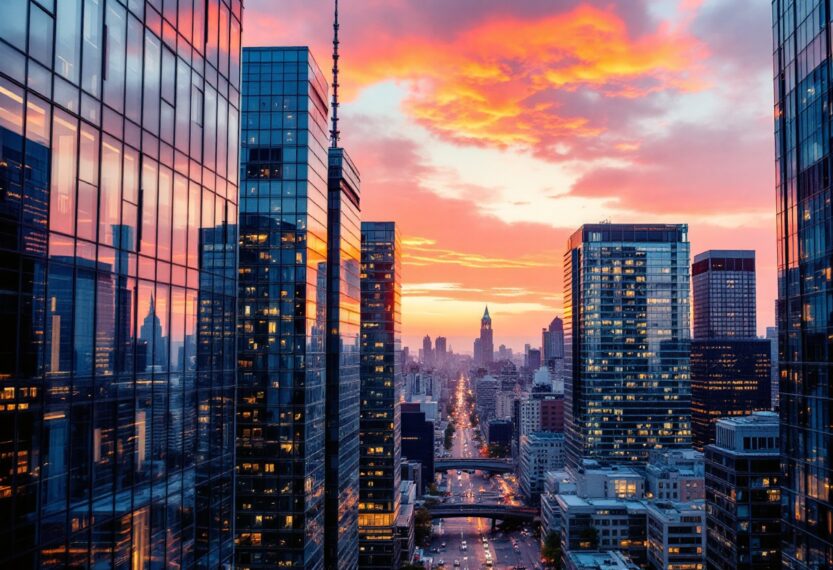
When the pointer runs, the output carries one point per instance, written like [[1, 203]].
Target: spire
[[486, 313], [334, 133]]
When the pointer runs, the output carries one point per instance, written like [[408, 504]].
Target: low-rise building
[[540, 452], [676, 535], [613, 560], [600, 481], [676, 475], [604, 524]]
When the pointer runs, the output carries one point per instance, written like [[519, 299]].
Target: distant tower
[[487, 346], [427, 351]]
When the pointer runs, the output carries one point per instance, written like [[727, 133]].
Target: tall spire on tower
[[334, 132]]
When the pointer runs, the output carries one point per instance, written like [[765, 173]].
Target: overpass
[[474, 464], [494, 512]]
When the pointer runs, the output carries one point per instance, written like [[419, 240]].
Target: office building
[[440, 351], [552, 343], [539, 452], [743, 494], [283, 311], [341, 530], [418, 440], [552, 413], [485, 397], [626, 326], [427, 352], [604, 525], [533, 359], [729, 377], [118, 209], [723, 293], [484, 347], [772, 337], [379, 423], [677, 475], [530, 418], [676, 535]]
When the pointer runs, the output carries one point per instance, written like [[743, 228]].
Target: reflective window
[[40, 35], [64, 157], [93, 39], [115, 64], [13, 22], [67, 40], [110, 201]]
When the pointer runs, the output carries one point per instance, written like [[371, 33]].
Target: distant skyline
[[489, 139]]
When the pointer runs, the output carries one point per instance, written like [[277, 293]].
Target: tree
[[588, 539], [449, 435], [497, 450], [422, 525], [551, 551]]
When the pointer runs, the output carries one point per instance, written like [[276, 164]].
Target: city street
[[470, 542]]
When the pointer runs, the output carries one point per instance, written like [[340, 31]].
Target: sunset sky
[[491, 129]]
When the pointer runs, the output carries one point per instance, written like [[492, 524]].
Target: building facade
[[743, 494], [676, 535], [118, 209], [283, 311], [484, 353], [341, 533], [723, 291], [380, 429], [626, 323], [729, 377], [677, 475], [539, 453], [418, 440], [802, 161]]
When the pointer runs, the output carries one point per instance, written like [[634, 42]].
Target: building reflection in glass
[[117, 355]]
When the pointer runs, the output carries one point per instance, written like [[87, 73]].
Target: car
[[456, 563], [442, 545], [441, 562]]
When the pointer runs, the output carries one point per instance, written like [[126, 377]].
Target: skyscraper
[[801, 32], [427, 351], [552, 340], [723, 289], [627, 387], [343, 360], [341, 493], [283, 317], [730, 366], [729, 377], [380, 435], [485, 348], [440, 350], [118, 158]]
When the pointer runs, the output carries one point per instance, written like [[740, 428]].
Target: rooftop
[[613, 560]]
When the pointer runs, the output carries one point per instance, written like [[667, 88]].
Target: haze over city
[[495, 129]]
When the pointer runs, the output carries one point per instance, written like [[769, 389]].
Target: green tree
[[422, 525], [449, 435], [551, 551]]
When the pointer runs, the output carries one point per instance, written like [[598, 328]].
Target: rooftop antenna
[[335, 135]]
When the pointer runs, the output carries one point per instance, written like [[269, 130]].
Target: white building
[[676, 535], [676, 475], [530, 416], [504, 405], [540, 452]]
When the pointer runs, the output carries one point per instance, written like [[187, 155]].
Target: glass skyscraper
[[801, 58], [626, 325], [118, 209], [283, 317], [723, 293], [380, 430], [343, 359]]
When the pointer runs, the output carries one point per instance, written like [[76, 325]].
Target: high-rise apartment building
[[627, 389], [380, 430], [282, 379], [743, 494], [723, 293], [801, 57], [341, 535], [552, 340], [118, 208]]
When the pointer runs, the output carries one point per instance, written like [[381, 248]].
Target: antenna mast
[[335, 135]]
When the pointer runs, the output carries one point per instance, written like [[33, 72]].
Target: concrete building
[[676, 475], [676, 535], [539, 452], [485, 397], [530, 416], [743, 494], [552, 413], [604, 524]]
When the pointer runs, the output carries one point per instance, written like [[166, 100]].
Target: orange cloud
[[502, 81]]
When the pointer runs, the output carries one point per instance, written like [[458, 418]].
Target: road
[[463, 537]]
